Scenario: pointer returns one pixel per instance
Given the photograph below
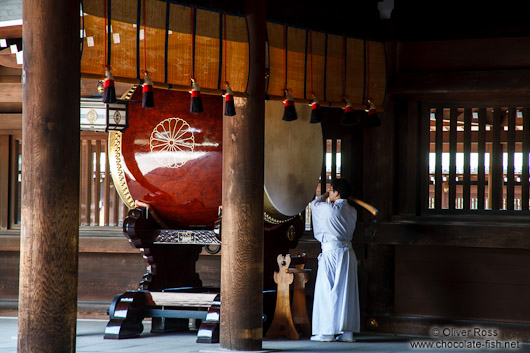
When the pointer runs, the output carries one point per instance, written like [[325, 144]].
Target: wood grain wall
[[421, 269]]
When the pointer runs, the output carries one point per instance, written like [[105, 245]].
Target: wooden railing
[[99, 203]]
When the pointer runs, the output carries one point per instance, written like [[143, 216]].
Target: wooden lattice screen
[[478, 158], [99, 203]]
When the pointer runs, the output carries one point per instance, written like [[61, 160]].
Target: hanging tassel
[[109, 91], [196, 101], [349, 118], [289, 112], [316, 112], [373, 118], [147, 93], [230, 108]]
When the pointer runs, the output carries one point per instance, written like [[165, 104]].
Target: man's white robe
[[336, 300]]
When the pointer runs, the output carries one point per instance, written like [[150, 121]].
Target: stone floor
[[90, 340]]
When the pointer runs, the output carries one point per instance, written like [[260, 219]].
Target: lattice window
[[99, 203], [331, 169], [478, 158]]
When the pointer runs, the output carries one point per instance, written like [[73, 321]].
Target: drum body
[[293, 161], [172, 159]]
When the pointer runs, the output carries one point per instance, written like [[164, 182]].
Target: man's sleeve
[[319, 201]]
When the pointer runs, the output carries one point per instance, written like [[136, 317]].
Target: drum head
[[293, 160]]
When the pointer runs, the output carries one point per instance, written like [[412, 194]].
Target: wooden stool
[[284, 321]]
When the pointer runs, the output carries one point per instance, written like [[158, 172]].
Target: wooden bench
[[290, 317], [128, 310]]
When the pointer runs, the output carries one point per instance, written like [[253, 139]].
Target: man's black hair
[[342, 186]]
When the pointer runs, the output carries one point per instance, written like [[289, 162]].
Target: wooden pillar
[[242, 228], [50, 177], [4, 181]]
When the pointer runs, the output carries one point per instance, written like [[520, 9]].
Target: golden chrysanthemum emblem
[[172, 142]]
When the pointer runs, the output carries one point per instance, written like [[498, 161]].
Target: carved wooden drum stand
[[169, 162]]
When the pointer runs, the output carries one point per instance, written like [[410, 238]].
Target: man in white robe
[[336, 300]]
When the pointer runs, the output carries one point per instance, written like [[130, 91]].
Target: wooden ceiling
[[457, 19], [410, 19]]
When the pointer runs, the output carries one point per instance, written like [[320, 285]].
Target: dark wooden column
[[242, 252], [50, 177]]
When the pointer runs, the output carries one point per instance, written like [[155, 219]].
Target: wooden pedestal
[[288, 319]]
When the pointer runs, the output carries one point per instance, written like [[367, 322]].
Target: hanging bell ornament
[[147, 93], [230, 109], [196, 101], [289, 112], [373, 118], [317, 115], [109, 91]]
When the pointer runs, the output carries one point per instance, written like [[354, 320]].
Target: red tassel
[[147, 93], [316, 112], [289, 112], [349, 118], [230, 108], [196, 101], [109, 91], [373, 118]]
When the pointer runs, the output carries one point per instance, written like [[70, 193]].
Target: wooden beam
[[97, 182], [496, 179], [452, 159], [510, 167], [4, 181], [107, 244], [12, 92], [519, 136], [9, 60], [50, 177], [526, 151], [481, 178], [323, 180], [9, 71], [9, 107], [438, 194], [463, 54], [467, 159], [413, 153], [10, 78], [11, 31], [15, 147], [498, 81], [439, 233], [242, 199], [89, 87], [422, 177], [11, 121]]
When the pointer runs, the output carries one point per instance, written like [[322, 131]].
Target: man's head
[[340, 189]]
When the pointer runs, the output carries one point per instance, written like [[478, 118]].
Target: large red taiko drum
[[172, 159]]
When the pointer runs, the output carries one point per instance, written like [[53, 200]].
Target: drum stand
[[171, 275], [170, 272]]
